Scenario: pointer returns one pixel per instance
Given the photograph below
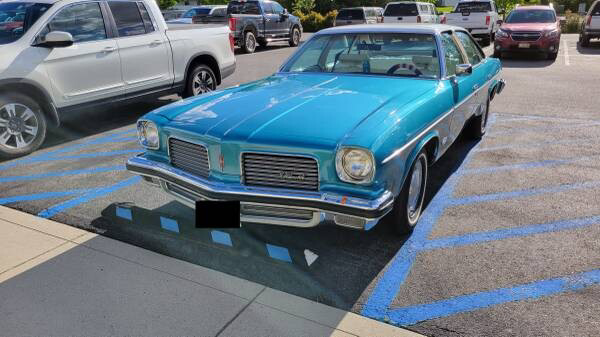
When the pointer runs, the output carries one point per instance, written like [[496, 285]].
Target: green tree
[[304, 6], [166, 4]]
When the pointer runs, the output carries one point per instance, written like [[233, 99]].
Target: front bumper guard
[[325, 205]]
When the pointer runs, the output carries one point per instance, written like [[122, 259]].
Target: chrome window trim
[[183, 139], [280, 154]]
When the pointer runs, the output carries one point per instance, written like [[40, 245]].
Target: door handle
[[475, 87], [109, 49], [267, 20], [155, 42]]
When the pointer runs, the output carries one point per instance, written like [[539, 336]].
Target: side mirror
[[285, 13], [464, 69], [499, 22], [56, 39]]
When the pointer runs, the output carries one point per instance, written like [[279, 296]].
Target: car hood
[[298, 109], [535, 27]]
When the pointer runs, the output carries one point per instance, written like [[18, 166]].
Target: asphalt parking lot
[[509, 244]]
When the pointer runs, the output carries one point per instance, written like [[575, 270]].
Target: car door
[[271, 20], [90, 69], [145, 51], [283, 22], [478, 79], [454, 56]]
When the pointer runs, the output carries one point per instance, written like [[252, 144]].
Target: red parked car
[[529, 29]]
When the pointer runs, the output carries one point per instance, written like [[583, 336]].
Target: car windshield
[[351, 14], [475, 7], [401, 10], [17, 17], [531, 16], [195, 12], [388, 54]]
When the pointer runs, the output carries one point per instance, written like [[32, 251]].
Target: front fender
[[434, 136]]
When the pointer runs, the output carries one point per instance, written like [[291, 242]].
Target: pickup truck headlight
[[502, 34], [355, 165], [148, 134], [552, 33]]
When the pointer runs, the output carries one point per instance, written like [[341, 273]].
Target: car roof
[[409, 2], [36, 1], [390, 28]]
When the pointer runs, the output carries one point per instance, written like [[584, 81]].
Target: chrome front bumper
[[267, 205]]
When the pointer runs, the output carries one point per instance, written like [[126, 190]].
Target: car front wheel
[[22, 125], [407, 207]]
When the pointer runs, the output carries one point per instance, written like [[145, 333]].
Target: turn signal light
[[589, 21], [443, 21], [418, 19], [487, 20], [231, 42], [232, 23]]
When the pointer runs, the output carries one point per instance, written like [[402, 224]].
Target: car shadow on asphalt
[[328, 264], [512, 60], [592, 49]]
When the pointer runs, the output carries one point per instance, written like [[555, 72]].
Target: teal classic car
[[343, 133]]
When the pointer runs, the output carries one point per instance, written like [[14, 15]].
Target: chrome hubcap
[[18, 126], [296, 36], [203, 82], [414, 191], [250, 42]]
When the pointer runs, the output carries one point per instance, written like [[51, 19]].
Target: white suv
[[61, 56], [410, 12]]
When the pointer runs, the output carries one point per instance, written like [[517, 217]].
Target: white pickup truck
[[591, 25], [480, 18], [61, 56]]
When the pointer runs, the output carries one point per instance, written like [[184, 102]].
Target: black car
[[261, 22]]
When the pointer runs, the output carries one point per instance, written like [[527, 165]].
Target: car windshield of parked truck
[[475, 7], [401, 10], [389, 54], [196, 12], [531, 16], [243, 7], [17, 17], [351, 14]]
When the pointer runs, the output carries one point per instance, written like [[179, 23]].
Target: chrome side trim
[[435, 123]]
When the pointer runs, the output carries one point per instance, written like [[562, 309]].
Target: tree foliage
[[304, 6], [166, 4]]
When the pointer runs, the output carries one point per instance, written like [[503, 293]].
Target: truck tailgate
[[467, 20]]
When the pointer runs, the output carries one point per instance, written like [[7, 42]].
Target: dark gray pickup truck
[[258, 23]]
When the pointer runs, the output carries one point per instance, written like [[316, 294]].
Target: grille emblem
[[288, 175]]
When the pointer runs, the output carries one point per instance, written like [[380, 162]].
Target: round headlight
[[148, 134], [355, 165]]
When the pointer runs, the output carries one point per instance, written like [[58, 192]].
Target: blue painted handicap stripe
[[169, 224], [422, 312], [124, 213], [279, 253], [221, 237]]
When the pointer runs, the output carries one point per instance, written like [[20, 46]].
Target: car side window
[[219, 12], [473, 53], [146, 18], [84, 22], [452, 54], [127, 18], [267, 8], [277, 8]]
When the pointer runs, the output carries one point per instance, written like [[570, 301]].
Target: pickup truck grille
[[190, 157], [525, 36], [294, 172]]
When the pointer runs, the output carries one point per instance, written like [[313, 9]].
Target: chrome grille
[[277, 212], [270, 170], [525, 36], [190, 157]]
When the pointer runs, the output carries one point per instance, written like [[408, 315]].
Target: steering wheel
[[407, 66]]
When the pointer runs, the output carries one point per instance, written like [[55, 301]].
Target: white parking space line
[[566, 48]]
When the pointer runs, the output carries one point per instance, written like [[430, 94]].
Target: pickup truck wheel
[[478, 124], [295, 37], [22, 125], [249, 43], [584, 41], [407, 207], [201, 80]]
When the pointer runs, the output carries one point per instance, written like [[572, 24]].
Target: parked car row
[[69, 55], [253, 23]]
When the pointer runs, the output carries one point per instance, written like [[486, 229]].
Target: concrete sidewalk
[[59, 280]]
